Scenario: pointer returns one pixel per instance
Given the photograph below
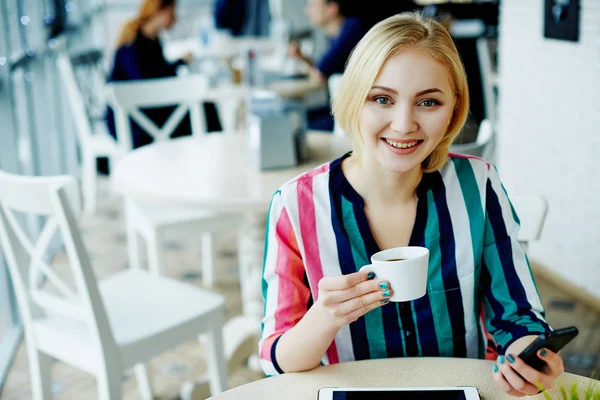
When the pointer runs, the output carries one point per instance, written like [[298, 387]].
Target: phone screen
[[401, 395]]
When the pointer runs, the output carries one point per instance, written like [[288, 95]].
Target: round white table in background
[[391, 372], [221, 47], [211, 172]]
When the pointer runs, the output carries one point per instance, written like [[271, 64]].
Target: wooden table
[[394, 372], [210, 172]]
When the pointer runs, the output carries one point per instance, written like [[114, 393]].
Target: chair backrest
[[487, 78], [91, 77], [333, 84], [482, 146], [229, 103], [75, 99], [128, 98], [532, 212], [74, 296]]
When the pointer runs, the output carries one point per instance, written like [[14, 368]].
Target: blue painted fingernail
[[386, 293], [510, 358], [384, 285], [543, 353], [501, 359], [385, 301], [371, 275], [495, 368]]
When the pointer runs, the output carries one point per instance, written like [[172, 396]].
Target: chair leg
[[88, 183], [110, 384], [133, 247], [208, 259], [155, 252], [142, 375], [212, 342], [41, 377]]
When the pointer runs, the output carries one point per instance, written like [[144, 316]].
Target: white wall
[[549, 135]]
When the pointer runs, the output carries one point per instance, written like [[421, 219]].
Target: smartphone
[[552, 340]]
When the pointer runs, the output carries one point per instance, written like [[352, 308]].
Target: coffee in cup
[[405, 268]]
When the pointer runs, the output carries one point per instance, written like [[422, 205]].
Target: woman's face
[[165, 18], [406, 112], [320, 12]]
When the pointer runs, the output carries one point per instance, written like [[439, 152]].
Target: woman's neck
[[378, 185], [150, 31]]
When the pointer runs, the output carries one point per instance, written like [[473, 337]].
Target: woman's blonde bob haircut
[[385, 40]]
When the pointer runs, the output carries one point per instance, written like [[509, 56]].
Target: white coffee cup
[[408, 276]]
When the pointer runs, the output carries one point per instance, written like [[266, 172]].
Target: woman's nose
[[403, 120]]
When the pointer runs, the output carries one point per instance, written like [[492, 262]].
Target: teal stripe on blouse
[[500, 290], [472, 198], [414, 316], [437, 300], [470, 191], [374, 318]]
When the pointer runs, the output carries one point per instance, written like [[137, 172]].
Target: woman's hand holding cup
[[345, 298]]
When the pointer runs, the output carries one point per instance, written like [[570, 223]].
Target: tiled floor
[[105, 239]]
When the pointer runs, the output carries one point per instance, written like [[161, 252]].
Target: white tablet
[[439, 393]]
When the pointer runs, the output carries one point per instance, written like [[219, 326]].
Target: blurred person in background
[[139, 55], [345, 22], [337, 19]]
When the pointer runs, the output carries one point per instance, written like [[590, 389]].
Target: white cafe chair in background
[[151, 221], [333, 83], [482, 147], [94, 140], [101, 327]]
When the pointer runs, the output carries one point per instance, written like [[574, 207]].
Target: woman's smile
[[402, 147]]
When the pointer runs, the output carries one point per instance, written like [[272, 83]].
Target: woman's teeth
[[401, 145]]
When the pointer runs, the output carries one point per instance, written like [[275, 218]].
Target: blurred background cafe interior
[[170, 124]]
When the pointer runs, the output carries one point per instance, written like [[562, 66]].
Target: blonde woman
[[403, 99]]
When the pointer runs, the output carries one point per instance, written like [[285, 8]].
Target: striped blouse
[[317, 227]]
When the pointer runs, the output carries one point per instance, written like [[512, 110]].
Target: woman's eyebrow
[[421, 93]]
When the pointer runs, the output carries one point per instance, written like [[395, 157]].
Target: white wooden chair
[[489, 79], [333, 84], [94, 139], [532, 212], [101, 327], [149, 221], [482, 146]]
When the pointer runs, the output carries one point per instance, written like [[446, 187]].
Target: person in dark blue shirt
[[345, 31], [335, 17], [139, 55]]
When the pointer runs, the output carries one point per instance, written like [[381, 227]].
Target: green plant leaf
[[563, 392], [541, 388], [589, 392], [574, 394]]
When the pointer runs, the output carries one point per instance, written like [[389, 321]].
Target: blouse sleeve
[[284, 285], [512, 304]]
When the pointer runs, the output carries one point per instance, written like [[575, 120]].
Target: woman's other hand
[[345, 298], [515, 377], [294, 51], [188, 57]]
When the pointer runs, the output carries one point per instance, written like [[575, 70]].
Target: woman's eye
[[382, 100], [429, 103]]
